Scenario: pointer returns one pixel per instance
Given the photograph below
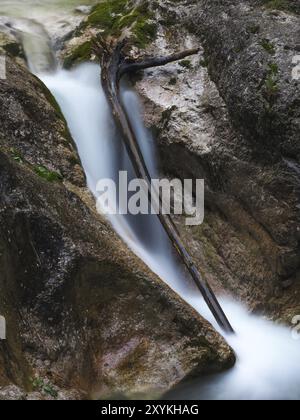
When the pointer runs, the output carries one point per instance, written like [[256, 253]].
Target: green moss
[[106, 13], [112, 17], [271, 86], [16, 155], [284, 5], [173, 81], [271, 82], [204, 62], [254, 29], [38, 384], [187, 64], [144, 32], [46, 174], [80, 54], [268, 46], [273, 69]]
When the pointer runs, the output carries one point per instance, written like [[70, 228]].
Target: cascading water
[[268, 358], [268, 365]]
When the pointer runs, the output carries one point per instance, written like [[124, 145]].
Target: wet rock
[[9, 44], [232, 118], [82, 312]]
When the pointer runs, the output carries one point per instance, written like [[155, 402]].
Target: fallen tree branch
[[115, 65], [129, 66]]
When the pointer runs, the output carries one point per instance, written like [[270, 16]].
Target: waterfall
[[268, 355]]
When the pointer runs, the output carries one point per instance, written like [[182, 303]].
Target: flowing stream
[[268, 355]]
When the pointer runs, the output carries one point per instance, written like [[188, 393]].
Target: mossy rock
[[80, 54], [291, 6], [114, 17]]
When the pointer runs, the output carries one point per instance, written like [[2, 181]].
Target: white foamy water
[[268, 358]]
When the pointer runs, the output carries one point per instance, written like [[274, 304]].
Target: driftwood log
[[115, 65]]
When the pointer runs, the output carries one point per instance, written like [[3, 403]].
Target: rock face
[[85, 317], [232, 117]]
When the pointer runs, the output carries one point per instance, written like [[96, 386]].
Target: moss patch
[[80, 54], [45, 387], [144, 32], [112, 17], [16, 155], [284, 5], [268, 46], [186, 64], [46, 174], [271, 82]]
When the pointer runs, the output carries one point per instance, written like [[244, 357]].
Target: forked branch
[[114, 65]]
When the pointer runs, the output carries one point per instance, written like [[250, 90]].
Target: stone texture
[[232, 118]]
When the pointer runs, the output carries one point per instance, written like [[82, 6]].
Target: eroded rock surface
[[232, 117]]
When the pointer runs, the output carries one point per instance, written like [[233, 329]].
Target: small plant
[[204, 62], [271, 81], [16, 155], [268, 46], [271, 86], [47, 388], [186, 64], [46, 174], [274, 70], [254, 29], [173, 81]]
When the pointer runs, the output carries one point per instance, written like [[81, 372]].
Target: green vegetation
[[144, 32], [254, 29], [40, 385], [46, 174], [187, 64], [16, 155], [107, 13], [268, 46], [114, 16], [204, 62], [271, 82], [41, 171], [173, 81], [80, 54], [284, 5]]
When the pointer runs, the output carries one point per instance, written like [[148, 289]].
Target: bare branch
[[129, 67]]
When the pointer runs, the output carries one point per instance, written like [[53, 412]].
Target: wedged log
[[115, 65]]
